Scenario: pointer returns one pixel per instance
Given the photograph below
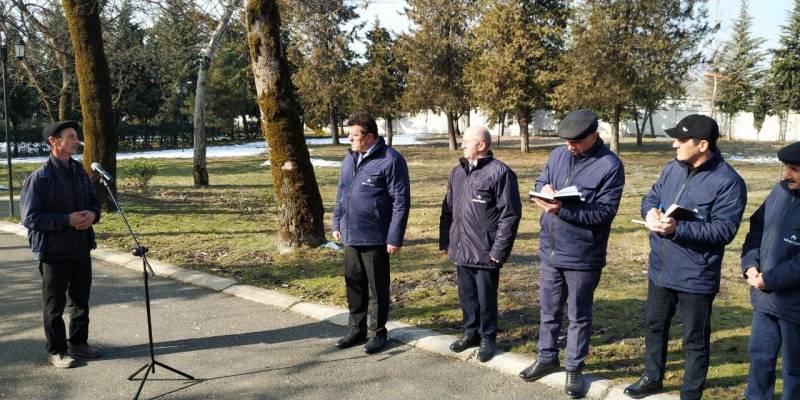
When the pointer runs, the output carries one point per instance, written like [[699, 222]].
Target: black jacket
[[49, 234], [577, 236], [773, 247], [480, 214], [690, 259]]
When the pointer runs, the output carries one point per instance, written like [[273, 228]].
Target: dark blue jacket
[[773, 246], [49, 232], [373, 198], [689, 260], [577, 236], [480, 214]]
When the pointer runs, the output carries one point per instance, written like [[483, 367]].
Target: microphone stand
[[141, 251]]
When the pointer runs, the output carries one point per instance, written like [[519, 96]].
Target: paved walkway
[[236, 348]]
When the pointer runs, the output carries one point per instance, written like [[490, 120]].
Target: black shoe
[[644, 387], [375, 344], [84, 350], [464, 343], [487, 349], [538, 370], [351, 339], [574, 385]]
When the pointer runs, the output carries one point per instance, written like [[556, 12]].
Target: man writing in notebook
[[573, 242], [686, 252]]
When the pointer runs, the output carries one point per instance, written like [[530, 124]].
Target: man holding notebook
[[686, 249], [573, 241]]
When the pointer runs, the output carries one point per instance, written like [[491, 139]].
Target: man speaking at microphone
[[59, 206]]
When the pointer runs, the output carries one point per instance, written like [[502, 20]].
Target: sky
[[768, 17]]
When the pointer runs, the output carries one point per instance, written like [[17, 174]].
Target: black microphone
[[103, 174]]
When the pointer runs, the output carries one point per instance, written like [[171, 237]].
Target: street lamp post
[[19, 49]]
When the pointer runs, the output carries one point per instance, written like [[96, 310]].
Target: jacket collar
[[480, 162], [711, 163], [378, 146]]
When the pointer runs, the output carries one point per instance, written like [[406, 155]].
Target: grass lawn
[[228, 229]]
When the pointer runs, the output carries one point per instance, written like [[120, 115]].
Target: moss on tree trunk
[[94, 83], [300, 211]]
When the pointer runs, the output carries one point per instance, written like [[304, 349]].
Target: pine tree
[[738, 66], [784, 73], [517, 47], [436, 51], [380, 81]]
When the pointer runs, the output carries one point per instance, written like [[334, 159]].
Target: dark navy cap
[[54, 128], [577, 125], [695, 126], [790, 154]]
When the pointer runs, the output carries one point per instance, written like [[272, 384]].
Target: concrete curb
[[507, 363]]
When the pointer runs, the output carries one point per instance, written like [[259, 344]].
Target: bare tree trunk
[[300, 211], [199, 170], [65, 93], [652, 129], [615, 117], [523, 117], [451, 131], [636, 122], [389, 130], [94, 83], [333, 125]]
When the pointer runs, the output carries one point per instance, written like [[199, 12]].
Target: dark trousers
[[768, 336], [575, 287], [64, 280], [366, 275], [477, 291], [696, 320]]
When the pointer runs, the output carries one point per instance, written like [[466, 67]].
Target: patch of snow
[[317, 162], [236, 150], [751, 159]]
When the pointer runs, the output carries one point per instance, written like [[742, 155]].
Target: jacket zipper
[[661, 242]]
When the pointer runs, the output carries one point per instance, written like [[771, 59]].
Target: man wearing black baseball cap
[[686, 251], [771, 265], [59, 206], [573, 243]]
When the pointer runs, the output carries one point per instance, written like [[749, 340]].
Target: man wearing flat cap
[[573, 242], [771, 264], [686, 250], [59, 206]]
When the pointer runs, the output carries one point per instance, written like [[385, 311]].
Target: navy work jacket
[[773, 247], [480, 213], [577, 236], [373, 198], [689, 260], [49, 232]]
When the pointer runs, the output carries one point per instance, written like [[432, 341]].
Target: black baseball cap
[[695, 126], [790, 154], [577, 125], [54, 128]]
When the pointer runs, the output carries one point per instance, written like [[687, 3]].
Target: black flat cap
[[577, 125], [695, 126], [54, 128], [790, 154]]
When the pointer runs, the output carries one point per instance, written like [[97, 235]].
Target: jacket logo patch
[[368, 182], [478, 199], [792, 240]]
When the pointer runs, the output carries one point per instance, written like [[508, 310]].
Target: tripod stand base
[[151, 368]]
